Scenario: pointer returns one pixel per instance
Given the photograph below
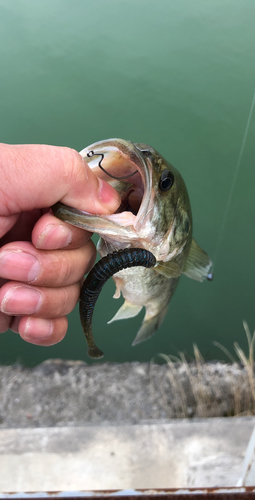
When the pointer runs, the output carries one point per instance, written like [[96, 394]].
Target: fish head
[[155, 211], [168, 221]]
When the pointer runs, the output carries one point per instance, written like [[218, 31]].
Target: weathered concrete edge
[[173, 454]]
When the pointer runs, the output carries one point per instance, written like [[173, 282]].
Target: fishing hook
[[91, 153]]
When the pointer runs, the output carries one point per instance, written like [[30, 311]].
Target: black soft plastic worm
[[95, 281]]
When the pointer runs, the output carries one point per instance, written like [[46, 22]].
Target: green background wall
[[178, 75]]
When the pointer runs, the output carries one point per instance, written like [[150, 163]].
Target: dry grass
[[200, 389], [248, 365]]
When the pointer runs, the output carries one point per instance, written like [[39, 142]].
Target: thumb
[[37, 176]]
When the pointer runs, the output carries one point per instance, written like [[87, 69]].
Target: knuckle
[[65, 303], [58, 269], [65, 268], [72, 162]]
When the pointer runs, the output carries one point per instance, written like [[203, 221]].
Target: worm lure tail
[[97, 277]]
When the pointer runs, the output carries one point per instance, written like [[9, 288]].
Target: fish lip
[[132, 155]]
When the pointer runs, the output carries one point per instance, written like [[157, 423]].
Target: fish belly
[[144, 287], [140, 288]]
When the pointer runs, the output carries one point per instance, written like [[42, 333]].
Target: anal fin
[[127, 310]]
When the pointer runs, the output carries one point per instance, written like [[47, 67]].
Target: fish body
[[154, 215]]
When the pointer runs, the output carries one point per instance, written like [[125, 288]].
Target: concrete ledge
[[59, 393], [170, 454]]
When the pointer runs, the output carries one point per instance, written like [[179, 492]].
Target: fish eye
[[166, 180]]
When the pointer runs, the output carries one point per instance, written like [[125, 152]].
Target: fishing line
[[232, 187], [91, 153]]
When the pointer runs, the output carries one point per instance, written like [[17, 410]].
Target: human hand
[[42, 259]]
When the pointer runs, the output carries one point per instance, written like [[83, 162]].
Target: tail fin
[[150, 325]]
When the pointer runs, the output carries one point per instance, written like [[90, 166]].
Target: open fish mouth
[[123, 165], [128, 168]]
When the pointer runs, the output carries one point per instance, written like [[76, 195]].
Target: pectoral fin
[[198, 263], [170, 269], [149, 326], [127, 310]]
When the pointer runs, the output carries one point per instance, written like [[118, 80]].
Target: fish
[[154, 217]]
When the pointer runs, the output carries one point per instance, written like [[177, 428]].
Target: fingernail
[[108, 195], [18, 265], [21, 300], [54, 236], [37, 329]]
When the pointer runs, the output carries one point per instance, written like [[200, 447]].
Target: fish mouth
[[123, 165]]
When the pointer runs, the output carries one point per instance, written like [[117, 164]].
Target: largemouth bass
[[155, 216]]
